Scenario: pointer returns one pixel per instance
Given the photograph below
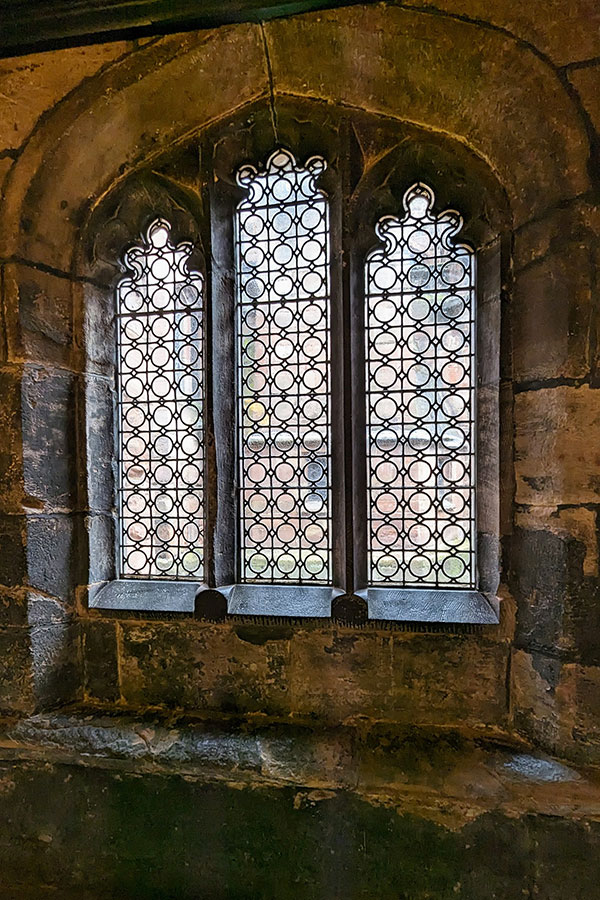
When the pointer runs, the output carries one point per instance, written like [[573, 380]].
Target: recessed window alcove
[[289, 486]]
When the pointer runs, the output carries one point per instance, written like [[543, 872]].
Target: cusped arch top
[[446, 75]]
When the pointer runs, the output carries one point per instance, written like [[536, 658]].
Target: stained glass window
[[420, 376], [159, 409], [283, 372]]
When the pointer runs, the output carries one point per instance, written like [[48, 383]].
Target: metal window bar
[[420, 396], [160, 446], [282, 253]]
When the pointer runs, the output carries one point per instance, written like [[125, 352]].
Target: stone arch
[[451, 76]]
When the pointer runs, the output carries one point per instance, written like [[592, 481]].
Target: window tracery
[[420, 378], [283, 342], [160, 447]]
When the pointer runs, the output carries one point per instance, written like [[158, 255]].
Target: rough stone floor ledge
[[417, 768]]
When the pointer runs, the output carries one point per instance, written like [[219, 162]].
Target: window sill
[[136, 595], [384, 604], [452, 607]]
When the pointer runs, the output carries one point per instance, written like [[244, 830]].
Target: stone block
[[55, 663], [578, 699], [100, 541], [195, 666], [100, 661], [16, 683], [100, 443], [53, 563], [557, 705], [533, 682], [98, 328], [39, 309], [337, 674], [449, 679], [579, 522], [407, 678], [551, 313], [557, 456], [49, 437], [31, 85], [545, 574]]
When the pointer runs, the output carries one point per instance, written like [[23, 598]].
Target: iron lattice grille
[[160, 415], [420, 371], [282, 270]]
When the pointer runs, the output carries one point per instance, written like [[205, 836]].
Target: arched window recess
[[305, 424]]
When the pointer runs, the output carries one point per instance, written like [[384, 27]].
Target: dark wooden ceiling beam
[[32, 25]]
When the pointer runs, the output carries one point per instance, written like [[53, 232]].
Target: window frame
[[353, 189]]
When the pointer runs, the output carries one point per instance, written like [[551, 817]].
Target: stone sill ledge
[[375, 604], [419, 767]]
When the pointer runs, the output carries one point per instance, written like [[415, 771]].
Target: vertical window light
[[282, 269], [420, 372], [159, 400]]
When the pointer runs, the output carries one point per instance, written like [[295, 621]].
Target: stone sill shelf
[[374, 604], [419, 768]]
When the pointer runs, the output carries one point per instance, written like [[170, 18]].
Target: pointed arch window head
[[283, 372], [420, 376], [160, 410]]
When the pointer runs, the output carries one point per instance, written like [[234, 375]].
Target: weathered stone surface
[[16, 684], [11, 466], [55, 663], [100, 661], [98, 309], [552, 309], [566, 32], [100, 443], [52, 558], [40, 315], [557, 460], [431, 70], [558, 704], [330, 843], [405, 678], [334, 674], [577, 521], [210, 667], [49, 437], [5, 165], [587, 84], [13, 606], [30, 85], [331, 676], [545, 575], [13, 566], [99, 536], [544, 237], [87, 138]]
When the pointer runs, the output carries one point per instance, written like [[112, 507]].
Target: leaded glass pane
[[282, 270], [160, 416], [420, 375]]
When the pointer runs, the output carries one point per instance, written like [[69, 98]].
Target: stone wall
[[520, 93]]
